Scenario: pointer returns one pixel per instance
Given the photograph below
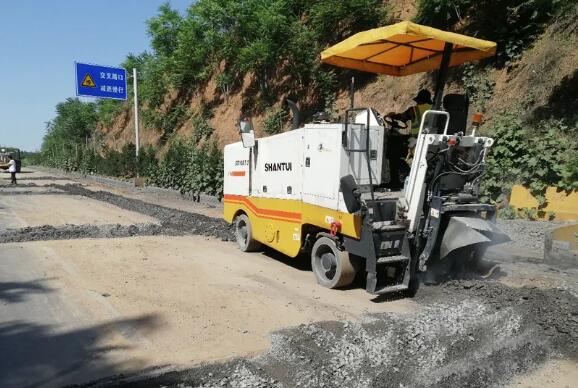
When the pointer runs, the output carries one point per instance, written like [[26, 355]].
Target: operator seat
[[457, 106]]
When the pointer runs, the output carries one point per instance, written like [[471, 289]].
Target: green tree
[[513, 24], [163, 30]]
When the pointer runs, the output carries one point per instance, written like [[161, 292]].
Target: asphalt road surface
[[108, 285]]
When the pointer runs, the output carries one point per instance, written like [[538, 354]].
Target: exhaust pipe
[[296, 112], [470, 232]]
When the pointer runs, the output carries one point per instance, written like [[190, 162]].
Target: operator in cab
[[423, 102], [399, 149]]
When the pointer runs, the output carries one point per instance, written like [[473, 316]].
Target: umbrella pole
[[352, 92], [442, 75]]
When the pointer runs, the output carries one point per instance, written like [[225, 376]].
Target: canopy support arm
[[442, 75]]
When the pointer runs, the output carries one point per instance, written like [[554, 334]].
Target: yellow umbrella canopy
[[405, 48]]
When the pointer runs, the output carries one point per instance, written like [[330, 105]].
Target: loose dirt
[[216, 306], [468, 333], [553, 374]]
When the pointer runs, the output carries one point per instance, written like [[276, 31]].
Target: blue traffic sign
[[100, 81]]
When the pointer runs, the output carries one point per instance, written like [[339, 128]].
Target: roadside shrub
[[274, 121], [508, 213], [184, 167], [534, 155], [108, 110], [569, 172], [90, 161], [147, 161], [170, 172], [201, 128], [478, 85], [167, 122], [31, 158], [190, 169]]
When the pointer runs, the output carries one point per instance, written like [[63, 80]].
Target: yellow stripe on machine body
[[278, 223]]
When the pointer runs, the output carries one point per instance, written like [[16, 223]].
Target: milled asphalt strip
[[173, 222], [467, 333], [30, 192], [40, 178], [69, 232]]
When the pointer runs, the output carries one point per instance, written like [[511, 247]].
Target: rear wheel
[[332, 267], [244, 234]]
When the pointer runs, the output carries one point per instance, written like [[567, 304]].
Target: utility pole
[[138, 181]]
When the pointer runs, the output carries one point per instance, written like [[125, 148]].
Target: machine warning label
[[242, 162], [283, 166]]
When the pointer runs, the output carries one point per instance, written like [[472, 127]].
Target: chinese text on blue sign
[[100, 81]]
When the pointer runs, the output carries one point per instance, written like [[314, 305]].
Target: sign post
[[108, 82], [136, 118]]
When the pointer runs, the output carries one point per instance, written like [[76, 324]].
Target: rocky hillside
[[225, 60]]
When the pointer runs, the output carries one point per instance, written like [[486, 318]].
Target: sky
[[39, 42]]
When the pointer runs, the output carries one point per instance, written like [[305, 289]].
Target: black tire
[[244, 234], [332, 267]]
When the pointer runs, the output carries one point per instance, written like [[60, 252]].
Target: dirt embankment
[[545, 79]]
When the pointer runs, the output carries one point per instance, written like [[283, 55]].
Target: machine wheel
[[244, 234], [332, 267]]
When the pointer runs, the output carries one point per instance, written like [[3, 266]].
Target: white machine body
[[307, 164], [304, 164]]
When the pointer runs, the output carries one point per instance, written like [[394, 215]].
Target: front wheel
[[332, 267], [244, 234]]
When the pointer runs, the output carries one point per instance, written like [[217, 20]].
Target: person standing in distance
[[12, 170]]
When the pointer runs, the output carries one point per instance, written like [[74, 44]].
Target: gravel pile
[[466, 333], [526, 234]]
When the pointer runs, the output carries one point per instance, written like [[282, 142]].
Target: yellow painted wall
[[567, 233], [564, 205]]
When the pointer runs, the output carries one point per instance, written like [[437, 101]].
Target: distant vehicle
[[5, 154]]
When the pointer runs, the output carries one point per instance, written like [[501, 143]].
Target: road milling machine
[[323, 188]]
